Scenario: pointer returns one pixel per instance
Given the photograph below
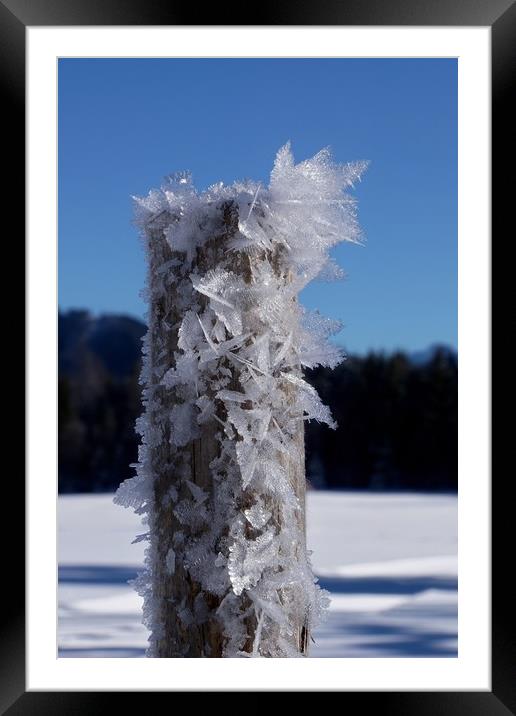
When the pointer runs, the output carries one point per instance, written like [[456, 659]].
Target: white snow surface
[[388, 560]]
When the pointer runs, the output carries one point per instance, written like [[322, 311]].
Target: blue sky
[[124, 124]]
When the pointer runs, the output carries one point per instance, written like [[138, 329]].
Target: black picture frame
[[500, 15]]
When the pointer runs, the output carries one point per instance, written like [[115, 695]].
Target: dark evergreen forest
[[397, 413]]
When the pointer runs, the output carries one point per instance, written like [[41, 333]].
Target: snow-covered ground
[[389, 561]]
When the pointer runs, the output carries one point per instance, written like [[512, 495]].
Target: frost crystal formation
[[220, 477]]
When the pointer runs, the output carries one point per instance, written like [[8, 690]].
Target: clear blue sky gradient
[[124, 124]]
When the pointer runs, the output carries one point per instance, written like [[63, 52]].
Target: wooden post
[[220, 479], [174, 591]]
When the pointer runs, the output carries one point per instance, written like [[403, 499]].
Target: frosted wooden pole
[[177, 589], [220, 477]]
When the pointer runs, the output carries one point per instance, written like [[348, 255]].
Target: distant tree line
[[397, 416], [397, 423]]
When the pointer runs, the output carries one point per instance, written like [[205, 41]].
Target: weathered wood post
[[220, 478]]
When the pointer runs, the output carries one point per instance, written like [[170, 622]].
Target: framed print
[[431, 84]]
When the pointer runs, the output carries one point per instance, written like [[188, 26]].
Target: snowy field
[[389, 561]]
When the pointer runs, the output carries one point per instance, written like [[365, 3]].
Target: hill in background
[[397, 413]]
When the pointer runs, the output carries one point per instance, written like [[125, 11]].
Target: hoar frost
[[223, 360]]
